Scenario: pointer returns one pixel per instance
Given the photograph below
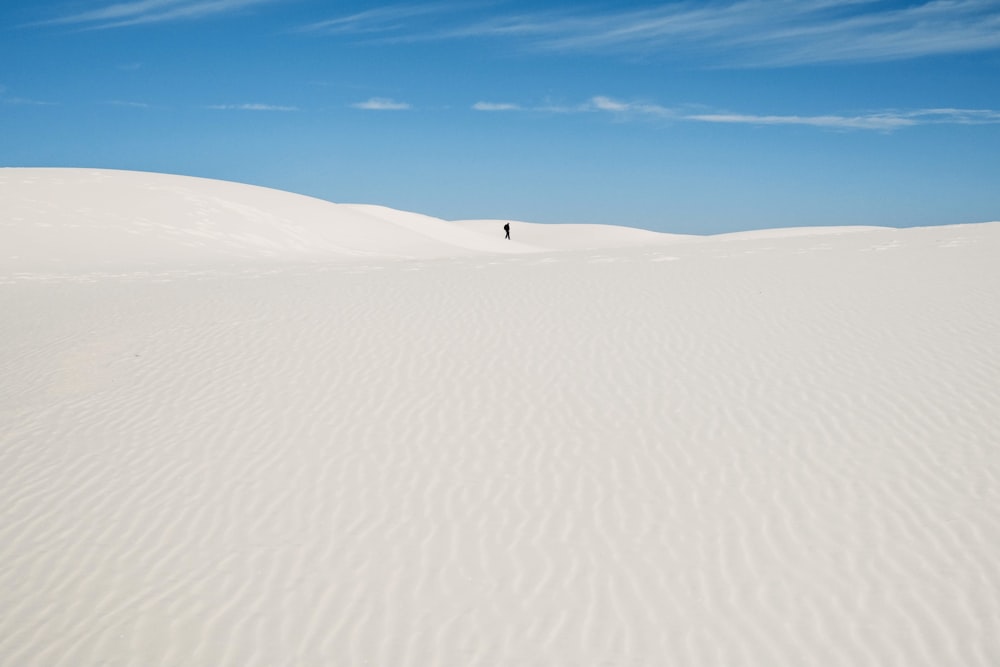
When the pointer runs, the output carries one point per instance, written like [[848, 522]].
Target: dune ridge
[[756, 450], [73, 219]]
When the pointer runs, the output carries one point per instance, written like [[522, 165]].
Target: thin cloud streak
[[598, 103], [128, 104], [26, 102], [142, 12], [601, 103], [873, 122], [381, 104], [378, 20], [116, 12], [885, 121], [22, 101], [495, 106], [251, 107], [744, 33]]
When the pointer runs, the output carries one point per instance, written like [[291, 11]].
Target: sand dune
[[74, 219], [243, 427]]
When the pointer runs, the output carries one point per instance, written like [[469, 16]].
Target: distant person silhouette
[[506, 230]]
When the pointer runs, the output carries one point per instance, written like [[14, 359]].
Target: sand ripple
[[761, 452]]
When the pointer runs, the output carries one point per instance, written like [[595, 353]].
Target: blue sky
[[692, 117]]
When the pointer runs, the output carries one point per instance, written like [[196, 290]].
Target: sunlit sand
[[246, 427]]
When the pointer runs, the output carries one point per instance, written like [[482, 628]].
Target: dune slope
[[757, 450]]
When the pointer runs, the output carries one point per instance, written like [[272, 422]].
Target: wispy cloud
[[27, 102], [957, 116], [601, 103], [862, 122], [495, 106], [885, 120], [251, 107], [128, 104], [22, 101], [138, 12], [598, 103], [732, 33], [379, 20], [381, 104]]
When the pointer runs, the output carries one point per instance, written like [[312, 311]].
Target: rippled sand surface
[[760, 449]]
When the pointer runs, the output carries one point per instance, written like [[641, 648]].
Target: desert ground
[[245, 427]]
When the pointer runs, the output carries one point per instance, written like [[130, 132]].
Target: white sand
[[242, 427]]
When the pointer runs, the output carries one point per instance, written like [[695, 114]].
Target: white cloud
[[601, 103], [252, 107], [955, 116], [597, 103], [495, 106], [729, 32], [378, 20], [138, 12], [24, 101], [868, 122], [607, 104], [21, 101], [886, 120], [126, 103], [381, 104], [883, 120]]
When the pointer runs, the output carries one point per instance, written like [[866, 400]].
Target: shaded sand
[[421, 446]]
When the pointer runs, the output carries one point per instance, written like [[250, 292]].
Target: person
[[506, 230]]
